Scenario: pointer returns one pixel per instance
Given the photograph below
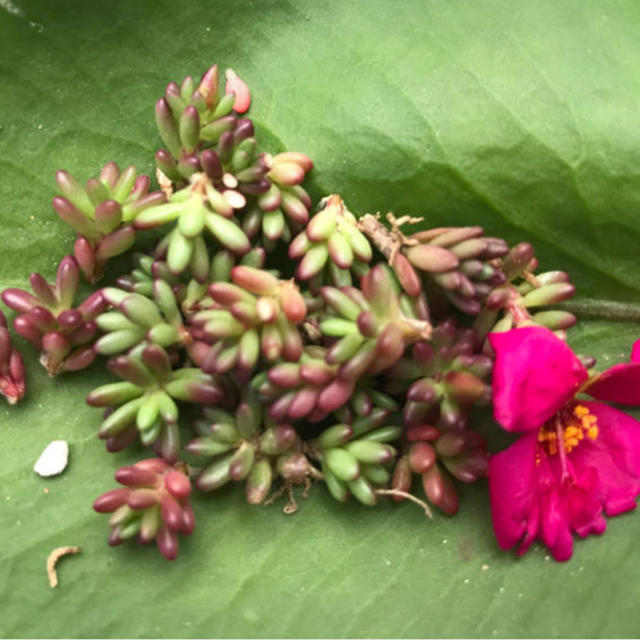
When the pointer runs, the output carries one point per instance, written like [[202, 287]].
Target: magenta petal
[[534, 375], [533, 524], [620, 433], [512, 491], [620, 383], [635, 351], [585, 508], [555, 530], [615, 456]]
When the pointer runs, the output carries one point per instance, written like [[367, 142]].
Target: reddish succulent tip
[[177, 484], [240, 89], [111, 500]]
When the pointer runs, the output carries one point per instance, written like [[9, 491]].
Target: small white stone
[[53, 460]]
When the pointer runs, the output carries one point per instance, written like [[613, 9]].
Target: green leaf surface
[[520, 116]]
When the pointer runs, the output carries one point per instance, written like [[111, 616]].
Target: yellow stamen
[[580, 411], [576, 425]]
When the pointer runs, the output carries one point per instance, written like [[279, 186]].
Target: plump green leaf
[[520, 116]]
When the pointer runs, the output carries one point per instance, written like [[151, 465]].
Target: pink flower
[[576, 459]]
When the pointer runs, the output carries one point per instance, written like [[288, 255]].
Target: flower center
[[576, 423]]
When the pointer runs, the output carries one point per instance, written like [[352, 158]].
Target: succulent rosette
[[144, 404], [102, 213], [202, 132], [372, 325], [137, 319], [152, 505], [256, 315], [445, 377], [284, 208], [243, 446], [48, 319], [526, 298], [331, 247], [356, 458], [196, 209]]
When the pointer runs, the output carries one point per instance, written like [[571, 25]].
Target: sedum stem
[[603, 310]]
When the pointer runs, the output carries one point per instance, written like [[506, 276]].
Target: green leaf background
[[519, 115]]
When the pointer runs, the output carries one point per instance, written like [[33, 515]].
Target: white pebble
[[53, 460]]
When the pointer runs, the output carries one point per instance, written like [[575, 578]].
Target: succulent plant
[[434, 454], [373, 325], [63, 333], [136, 319], [102, 213], [244, 446], [144, 405], [284, 208], [304, 369], [355, 457], [453, 264], [256, 314], [12, 382], [331, 247], [197, 207], [152, 505], [514, 303], [202, 133], [442, 378]]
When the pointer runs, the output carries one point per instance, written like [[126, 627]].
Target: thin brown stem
[[531, 279], [408, 496]]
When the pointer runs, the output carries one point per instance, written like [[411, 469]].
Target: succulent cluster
[[201, 129], [12, 382], [48, 319], [102, 213], [436, 455], [524, 296], [442, 378], [356, 456], [153, 505], [254, 317], [331, 247], [144, 405], [243, 446], [355, 363]]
